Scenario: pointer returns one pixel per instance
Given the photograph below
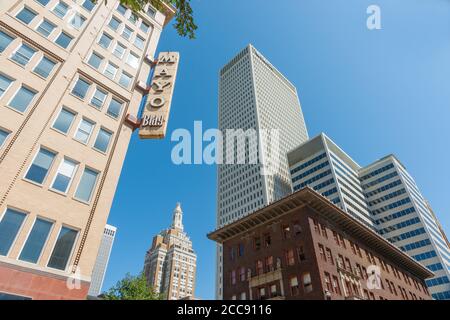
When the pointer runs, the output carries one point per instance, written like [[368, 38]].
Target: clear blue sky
[[373, 92]]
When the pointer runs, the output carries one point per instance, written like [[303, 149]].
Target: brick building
[[304, 247]]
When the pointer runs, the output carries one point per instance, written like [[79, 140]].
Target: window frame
[[75, 242], [93, 188], [76, 166], [2, 216], [75, 114], [48, 170], [45, 242], [78, 128]]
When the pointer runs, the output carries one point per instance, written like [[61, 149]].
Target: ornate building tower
[[170, 264]]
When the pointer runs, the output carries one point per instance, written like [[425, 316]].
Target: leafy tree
[[184, 25], [132, 288]]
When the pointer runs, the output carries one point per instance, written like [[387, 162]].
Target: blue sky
[[373, 92]]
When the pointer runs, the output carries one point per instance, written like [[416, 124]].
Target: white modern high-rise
[[320, 164], [255, 96], [101, 264], [384, 189]]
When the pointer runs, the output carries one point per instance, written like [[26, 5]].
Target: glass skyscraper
[[382, 195]]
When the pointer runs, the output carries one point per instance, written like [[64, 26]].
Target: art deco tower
[[170, 264]]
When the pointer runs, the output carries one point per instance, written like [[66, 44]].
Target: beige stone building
[[70, 73], [170, 264]]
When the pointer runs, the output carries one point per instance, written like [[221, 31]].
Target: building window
[[44, 67], [329, 255], [64, 121], [232, 253], [328, 285], [286, 232], [87, 185], [273, 290], [63, 249], [5, 82], [88, 5], [122, 9], [267, 240], [336, 286], [105, 41], [243, 296], [10, 225], [294, 286], [81, 88], [46, 28], [133, 60], [77, 21], [64, 175], [259, 267], [133, 18], [125, 79], [290, 260], [26, 15], [23, 55], [39, 168], [43, 2], [5, 40], [64, 40], [233, 277], [115, 108], [336, 239], [3, 136], [151, 12], [307, 283], [103, 139], [324, 231], [98, 99], [84, 131], [257, 243], [297, 228], [342, 240], [139, 42], [127, 33], [61, 9], [95, 60], [111, 70], [242, 274], [241, 250], [322, 252], [114, 23], [144, 27], [119, 50], [36, 240], [262, 293], [269, 264], [22, 99], [301, 254]]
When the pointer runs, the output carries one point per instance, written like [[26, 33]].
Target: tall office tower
[[320, 164], [171, 263], [403, 217], [68, 80], [101, 264], [387, 191], [254, 95]]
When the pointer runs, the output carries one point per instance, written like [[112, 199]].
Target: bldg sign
[[156, 112]]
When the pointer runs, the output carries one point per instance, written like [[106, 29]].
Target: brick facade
[[301, 254]]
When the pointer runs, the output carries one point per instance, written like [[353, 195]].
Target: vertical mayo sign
[[156, 112]]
